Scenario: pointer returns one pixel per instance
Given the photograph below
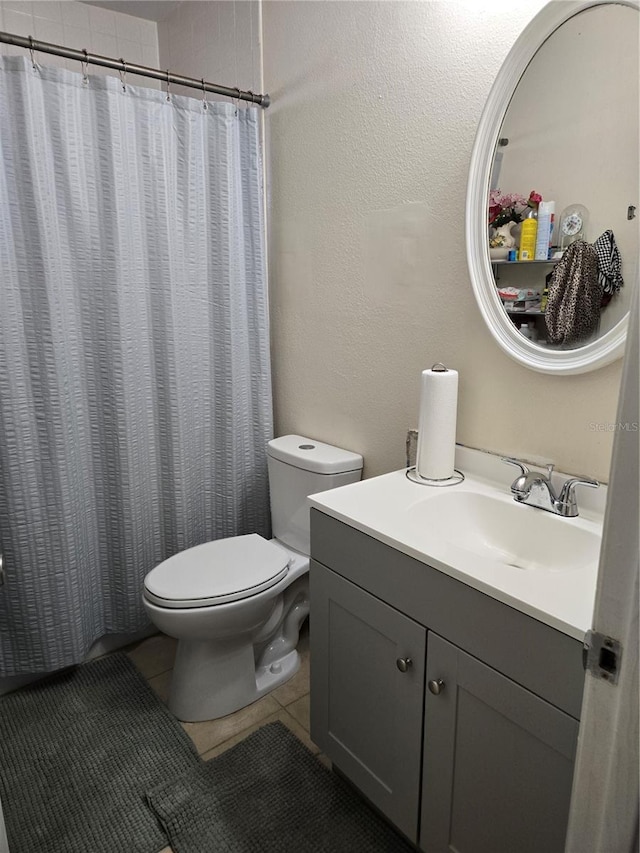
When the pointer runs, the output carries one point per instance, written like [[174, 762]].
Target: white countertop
[[394, 510]]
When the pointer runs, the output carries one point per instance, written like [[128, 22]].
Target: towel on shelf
[[573, 308], [609, 266]]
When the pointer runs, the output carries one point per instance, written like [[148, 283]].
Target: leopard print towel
[[575, 294]]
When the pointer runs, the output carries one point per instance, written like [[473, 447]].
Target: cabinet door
[[498, 761], [366, 714]]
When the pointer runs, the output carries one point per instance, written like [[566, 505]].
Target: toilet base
[[270, 677], [206, 685]]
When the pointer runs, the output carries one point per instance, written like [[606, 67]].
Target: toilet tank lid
[[313, 455]]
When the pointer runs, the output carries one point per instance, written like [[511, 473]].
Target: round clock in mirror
[[573, 224]]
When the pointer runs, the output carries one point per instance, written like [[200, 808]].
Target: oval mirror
[[557, 143]]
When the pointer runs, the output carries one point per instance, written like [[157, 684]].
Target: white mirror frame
[[559, 362]]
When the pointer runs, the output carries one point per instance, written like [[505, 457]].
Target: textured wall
[[369, 137], [74, 24]]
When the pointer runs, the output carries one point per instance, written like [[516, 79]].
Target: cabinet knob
[[403, 664], [436, 687]]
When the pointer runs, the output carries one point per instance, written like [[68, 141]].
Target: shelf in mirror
[[551, 261]]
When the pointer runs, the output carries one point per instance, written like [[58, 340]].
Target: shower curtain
[[135, 397]]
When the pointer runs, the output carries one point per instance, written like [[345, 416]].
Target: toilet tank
[[299, 467]]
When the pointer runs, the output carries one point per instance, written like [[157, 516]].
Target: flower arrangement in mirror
[[505, 211]]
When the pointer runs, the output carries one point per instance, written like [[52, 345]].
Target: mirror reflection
[[563, 229]]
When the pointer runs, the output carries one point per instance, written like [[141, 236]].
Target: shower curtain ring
[[168, 86], [205, 105], [123, 74], [84, 64], [238, 100], [31, 51]]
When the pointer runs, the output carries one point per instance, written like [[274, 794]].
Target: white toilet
[[236, 605]]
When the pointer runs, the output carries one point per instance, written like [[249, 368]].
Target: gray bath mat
[[269, 794], [78, 753]]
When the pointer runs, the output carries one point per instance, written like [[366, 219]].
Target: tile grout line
[[164, 672]]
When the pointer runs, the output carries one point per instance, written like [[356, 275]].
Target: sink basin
[[514, 535], [539, 563]]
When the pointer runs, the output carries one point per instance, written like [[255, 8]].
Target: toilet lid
[[217, 572]]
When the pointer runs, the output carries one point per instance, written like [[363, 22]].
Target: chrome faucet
[[536, 489]]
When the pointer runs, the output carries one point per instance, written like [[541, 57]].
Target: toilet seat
[[217, 572]]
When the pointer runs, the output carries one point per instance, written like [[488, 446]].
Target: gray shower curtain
[[135, 397]]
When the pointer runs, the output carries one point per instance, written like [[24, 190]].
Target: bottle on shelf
[[525, 331], [528, 234], [545, 294], [546, 216], [544, 299]]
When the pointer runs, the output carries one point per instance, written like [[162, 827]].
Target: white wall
[[375, 108], [216, 39], [74, 24]]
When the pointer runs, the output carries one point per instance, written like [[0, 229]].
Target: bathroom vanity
[[446, 682]]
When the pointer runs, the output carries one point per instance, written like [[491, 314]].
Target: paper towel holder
[[412, 472]]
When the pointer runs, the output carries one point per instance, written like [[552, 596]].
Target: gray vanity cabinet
[[498, 761], [368, 713], [454, 714]]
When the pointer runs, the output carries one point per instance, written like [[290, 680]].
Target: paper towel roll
[[435, 457]]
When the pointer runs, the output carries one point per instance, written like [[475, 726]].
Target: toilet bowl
[[236, 605]]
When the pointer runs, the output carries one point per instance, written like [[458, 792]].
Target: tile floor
[[288, 703]]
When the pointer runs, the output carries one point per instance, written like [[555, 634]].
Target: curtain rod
[[131, 68]]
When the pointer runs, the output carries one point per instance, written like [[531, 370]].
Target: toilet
[[236, 605]]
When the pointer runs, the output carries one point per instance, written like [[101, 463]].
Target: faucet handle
[[516, 463], [567, 497], [569, 486]]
